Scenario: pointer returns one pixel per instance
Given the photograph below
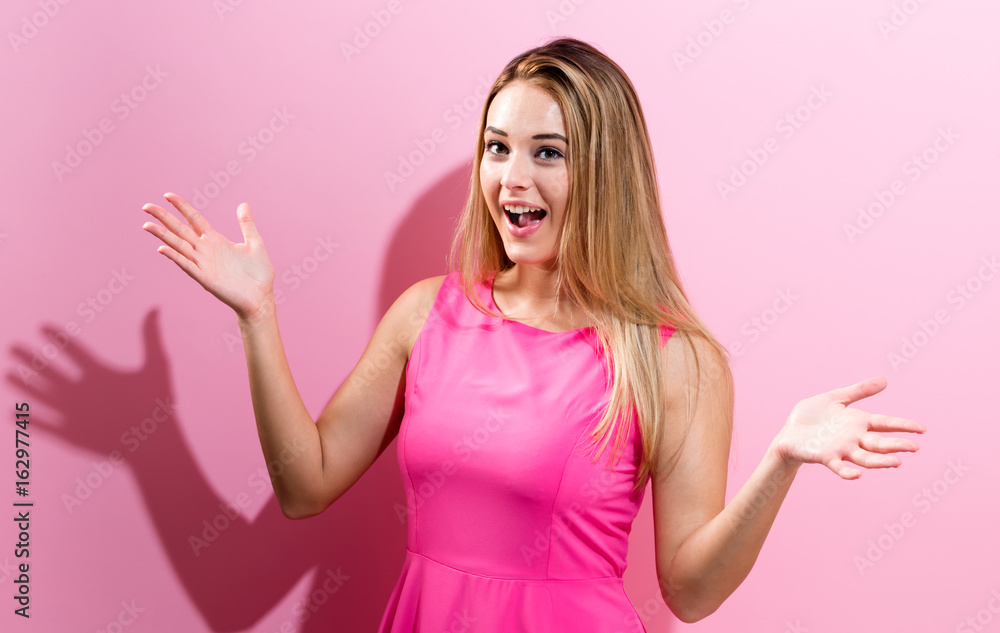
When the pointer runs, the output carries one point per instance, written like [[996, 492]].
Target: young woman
[[537, 388]]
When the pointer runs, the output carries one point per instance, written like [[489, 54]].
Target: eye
[[495, 145], [550, 153]]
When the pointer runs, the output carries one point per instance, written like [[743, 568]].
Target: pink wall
[[877, 115]]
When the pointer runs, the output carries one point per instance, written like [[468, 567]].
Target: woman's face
[[524, 170]]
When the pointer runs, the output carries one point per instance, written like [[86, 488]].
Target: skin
[[517, 165], [704, 548]]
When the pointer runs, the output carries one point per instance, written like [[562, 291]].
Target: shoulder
[[697, 383], [424, 291], [406, 316], [415, 303], [690, 364]]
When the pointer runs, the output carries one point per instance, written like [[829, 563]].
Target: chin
[[530, 257]]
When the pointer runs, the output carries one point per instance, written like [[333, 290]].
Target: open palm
[[240, 275], [824, 430]]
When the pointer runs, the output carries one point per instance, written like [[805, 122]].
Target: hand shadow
[[237, 574], [234, 570]]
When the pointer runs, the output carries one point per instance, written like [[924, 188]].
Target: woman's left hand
[[823, 430]]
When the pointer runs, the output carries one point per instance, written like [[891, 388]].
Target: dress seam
[[617, 579], [416, 358], [555, 500]]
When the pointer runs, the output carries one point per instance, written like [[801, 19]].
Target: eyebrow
[[562, 138]]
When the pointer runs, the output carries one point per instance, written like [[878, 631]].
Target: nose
[[516, 172]]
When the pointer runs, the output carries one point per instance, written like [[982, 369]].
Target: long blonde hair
[[614, 259]]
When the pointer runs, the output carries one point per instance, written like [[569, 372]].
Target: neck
[[532, 285], [529, 292]]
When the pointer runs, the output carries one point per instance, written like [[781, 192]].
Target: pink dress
[[510, 526]]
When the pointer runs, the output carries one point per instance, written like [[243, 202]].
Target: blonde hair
[[614, 260]]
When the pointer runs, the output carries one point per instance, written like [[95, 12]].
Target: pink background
[[406, 101]]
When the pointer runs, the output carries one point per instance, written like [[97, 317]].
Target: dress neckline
[[493, 306]]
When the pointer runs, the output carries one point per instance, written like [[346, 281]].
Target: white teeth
[[520, 209]]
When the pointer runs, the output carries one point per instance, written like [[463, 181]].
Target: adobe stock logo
[[983, 617], [958, 296], [94, 137], [562, 12], [225, 7], [128, 614], [714, 29], [925, 500], [132, 439], [428, 483], [787, 126], [899, 17], [755, 327], [88, 309], [39, 20], [454, 116], [249, 148], [885, 198], [365, 34]]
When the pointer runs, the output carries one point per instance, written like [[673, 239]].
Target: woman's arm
[[704, 548], [289, 439], [310, 464]]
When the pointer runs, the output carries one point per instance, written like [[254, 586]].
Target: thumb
[[857, 391], [247, 225]]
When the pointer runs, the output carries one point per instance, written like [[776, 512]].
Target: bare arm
[[320, 462], [288, 436], [705, 549], [310, 464]]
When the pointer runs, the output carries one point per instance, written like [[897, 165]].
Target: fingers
[[177, 235], [886, 423], [185, 264], [857, 391], [247, 225], [842, 469], [873, 451], [195, 219], [879, 444], [861, 457]]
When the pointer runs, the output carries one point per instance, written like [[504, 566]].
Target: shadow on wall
[[420, 245], [237, 575]]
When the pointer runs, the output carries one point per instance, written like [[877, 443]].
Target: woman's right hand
[[240, 275]]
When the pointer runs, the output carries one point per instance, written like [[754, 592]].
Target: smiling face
[[524, 173]]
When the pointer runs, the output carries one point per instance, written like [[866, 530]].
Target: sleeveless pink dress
[[510, 525]]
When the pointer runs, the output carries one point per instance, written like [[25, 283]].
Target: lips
[[523, 215], [523, 220]]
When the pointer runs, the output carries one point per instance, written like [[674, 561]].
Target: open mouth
[[521, 217]]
